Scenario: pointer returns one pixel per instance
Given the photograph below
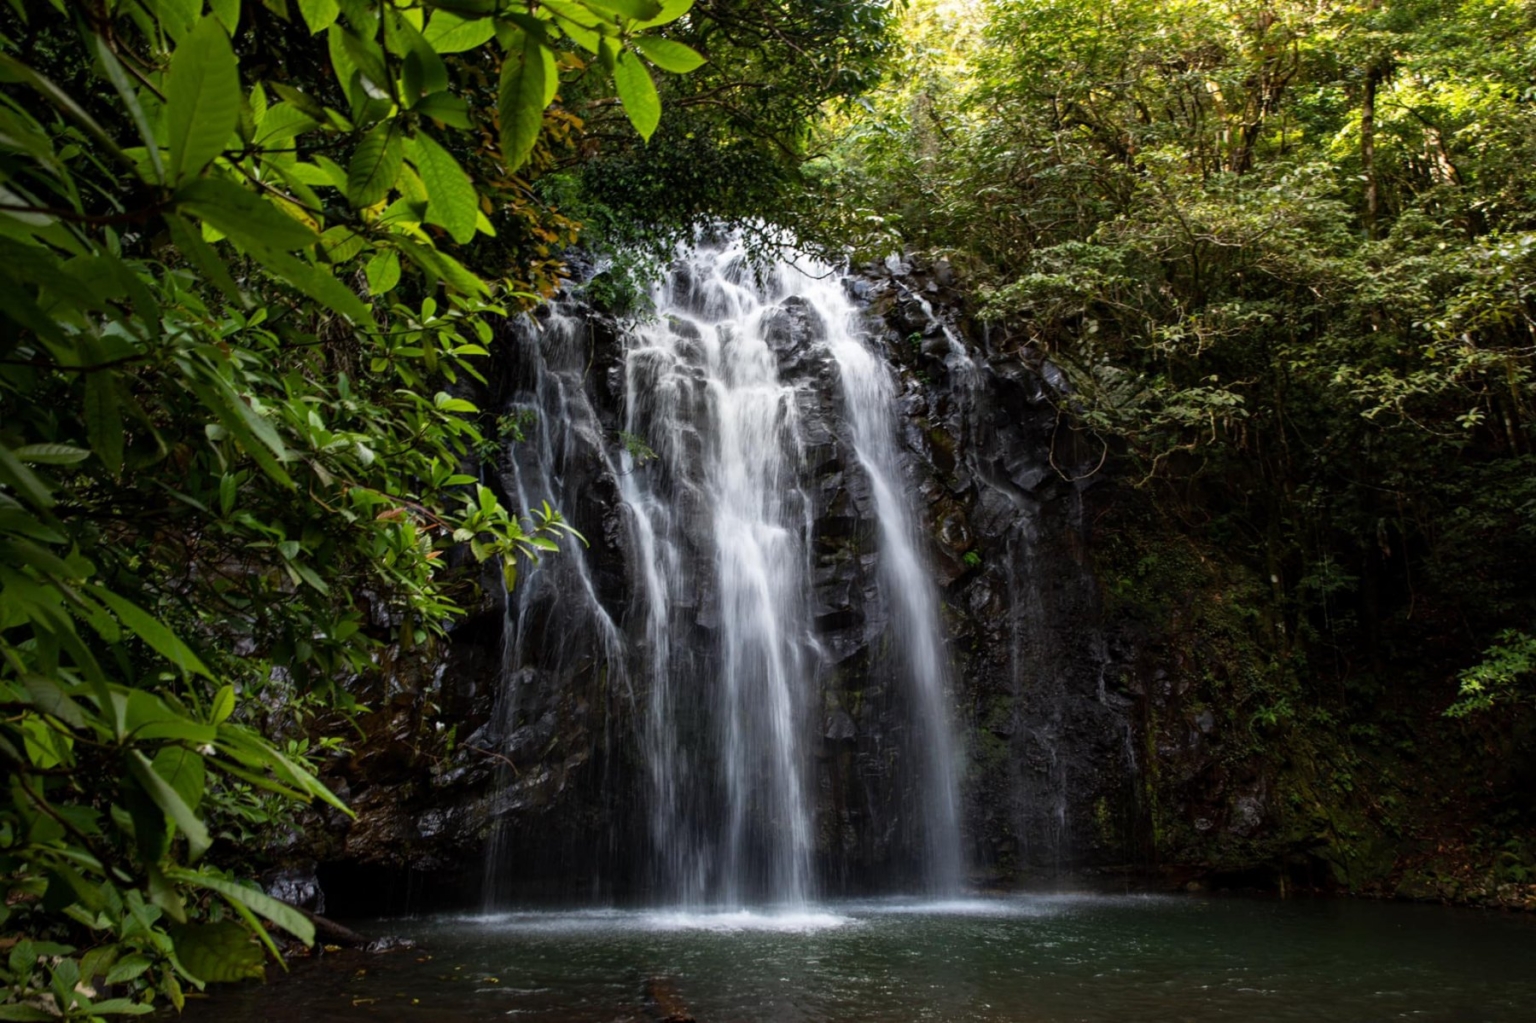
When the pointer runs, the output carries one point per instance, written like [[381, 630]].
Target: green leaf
[[439, 264], [634, 10], [127, 969], [280, 913], [223, 705], [190, 242], [103, 420], [118, 76], [51, 454], [451, 33], [671, 10], [319, 14], [375, 165], [668, 54], [383, 272], [171, 803], [23, 480], [445, 107], [283, 122], [228, 13], [452, 199], [253, 432], [423, 72], [164, 642], [50, 698], [369, 61], [244, 215], [183, 771], [202, 102], [25, 1014], [218, 953], [318, 284], [638, 94], [524, 85], [120, 1007]]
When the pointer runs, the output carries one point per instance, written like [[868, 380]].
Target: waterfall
[[709, 450], [711, 474], [552, 617], [870, 395]]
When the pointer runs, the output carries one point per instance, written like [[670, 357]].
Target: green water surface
[[1016, 959]]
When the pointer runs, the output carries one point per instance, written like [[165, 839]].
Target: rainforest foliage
[[253, 251], [1284, 253], [249, 254]]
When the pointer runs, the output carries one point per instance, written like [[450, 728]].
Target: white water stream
[[722, 523]]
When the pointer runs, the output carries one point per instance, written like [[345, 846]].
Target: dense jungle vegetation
[[1282, 252]]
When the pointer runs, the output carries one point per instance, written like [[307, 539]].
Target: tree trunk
[[1368, 147]]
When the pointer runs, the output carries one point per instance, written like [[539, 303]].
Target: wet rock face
[[547, 770]]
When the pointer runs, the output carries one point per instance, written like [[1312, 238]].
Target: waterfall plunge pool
[[1013, 959]]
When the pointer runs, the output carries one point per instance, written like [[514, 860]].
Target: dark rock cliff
[[544, 774]]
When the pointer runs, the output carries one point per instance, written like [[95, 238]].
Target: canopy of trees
[[1285, 254]]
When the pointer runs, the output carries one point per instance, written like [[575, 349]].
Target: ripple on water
[[615, 921]]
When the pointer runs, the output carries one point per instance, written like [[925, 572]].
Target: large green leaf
[[280, 913], [319, 284], [383, 272], [183, 771], [138, 621], [638, 93], [228, 13], [668, 54], [23, 480], [375, 164], [244, 215], [118, 76], [319, 14], [191, 245], [634, 10], [525, 81], [450, 33], [171, 803], [451, 197], [218, 953], [51, 454], [671, 10], [103, 414], [202, 98]]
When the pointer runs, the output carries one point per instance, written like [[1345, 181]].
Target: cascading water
[[720, 639], [723, 527], [869, 394], [552, 614]]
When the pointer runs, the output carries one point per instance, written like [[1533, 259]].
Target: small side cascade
[[553, 615]]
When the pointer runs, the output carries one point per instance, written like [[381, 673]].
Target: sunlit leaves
[[634, 10], [668, 54], [526, 79], [448, 32], [638, 93], [319, 15], [452, 199]]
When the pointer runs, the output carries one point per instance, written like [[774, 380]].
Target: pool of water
[[1015, 959]]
